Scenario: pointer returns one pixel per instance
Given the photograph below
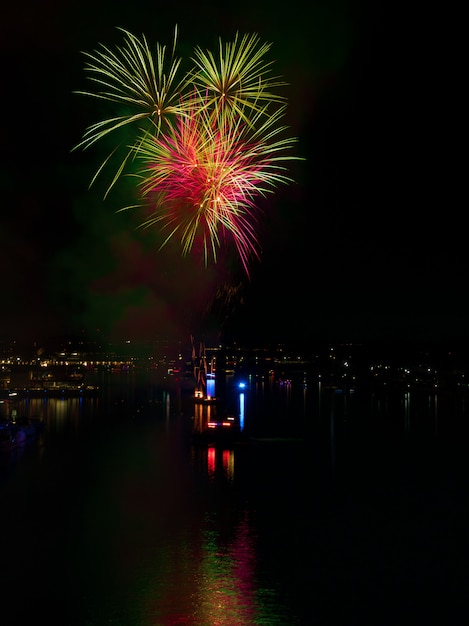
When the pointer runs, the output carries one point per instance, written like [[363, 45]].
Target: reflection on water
[[338, 503], [221, 460]]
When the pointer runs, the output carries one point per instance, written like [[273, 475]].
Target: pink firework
[[208, 146], [204, 177]]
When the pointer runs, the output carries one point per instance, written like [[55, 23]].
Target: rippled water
[[339, 508]]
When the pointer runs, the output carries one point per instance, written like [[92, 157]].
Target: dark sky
[[369, 243]]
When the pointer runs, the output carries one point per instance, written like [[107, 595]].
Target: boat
[[204, 375], [17, 433], [58, 390], [218, 430], [11, 436], [4, 387], [212, 425], [58, 382], [202, 398]]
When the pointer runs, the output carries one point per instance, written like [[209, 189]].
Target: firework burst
[[214, 142], [238, 81], [138, 79], [204, 177]]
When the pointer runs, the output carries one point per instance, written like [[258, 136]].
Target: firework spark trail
[[221, 148], [133, 76], [239, 79]]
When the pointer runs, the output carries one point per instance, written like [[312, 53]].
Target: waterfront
[[342, 507]]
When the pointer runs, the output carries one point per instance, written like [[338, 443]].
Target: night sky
[[368, 243]]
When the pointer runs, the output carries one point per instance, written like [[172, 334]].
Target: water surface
[[338, 508]]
